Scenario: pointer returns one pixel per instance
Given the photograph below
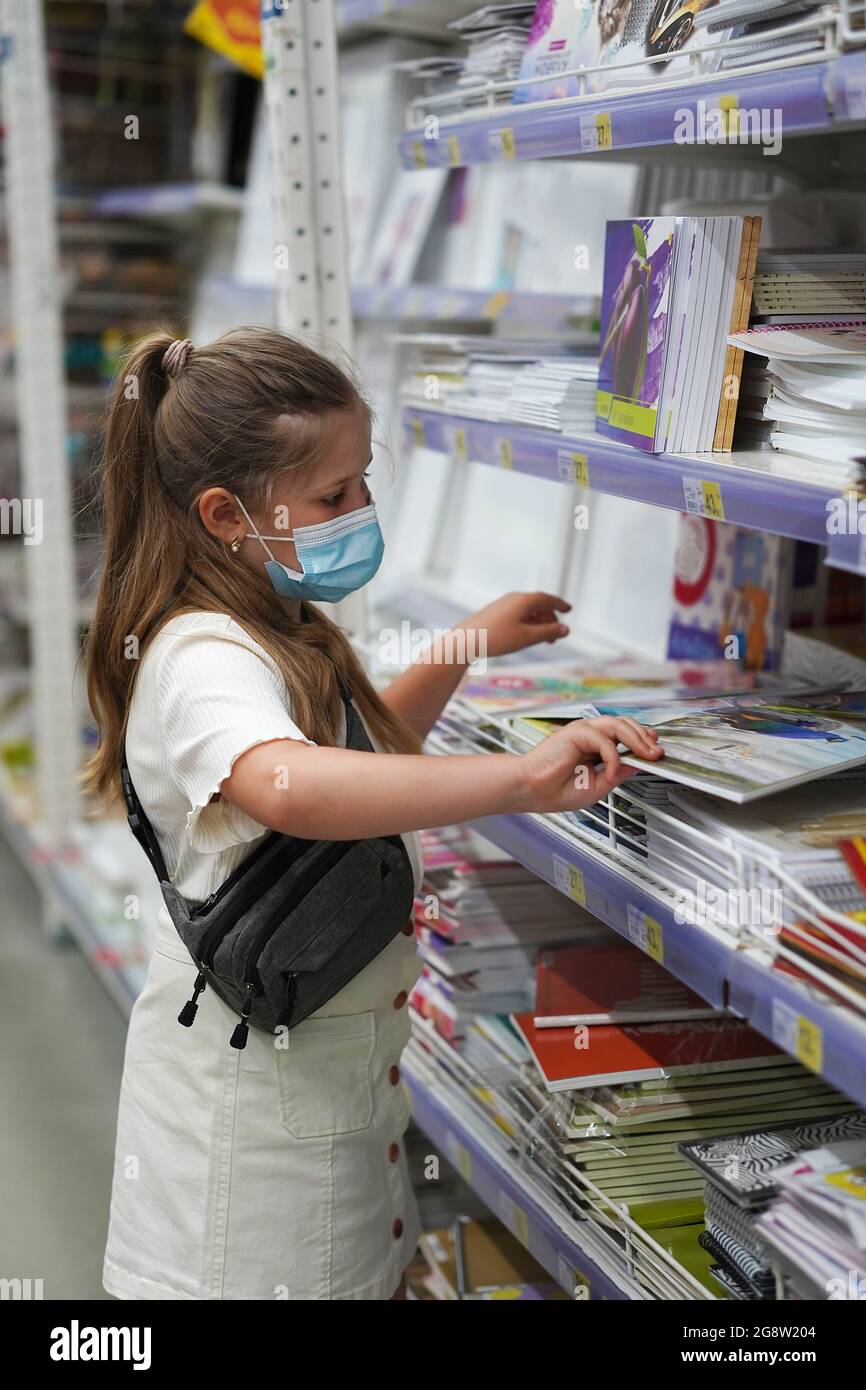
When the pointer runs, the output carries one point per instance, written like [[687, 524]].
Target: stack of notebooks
[[674, 289], [766, 30], [776, 870], [808, 399], [591, 1115], [745, 1173], [808, 285], [496, 36], [481, 920], [814, 1230], [501, 379]]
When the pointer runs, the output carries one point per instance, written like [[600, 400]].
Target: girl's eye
[[337, 497]]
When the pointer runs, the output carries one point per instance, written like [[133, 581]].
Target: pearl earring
[[235, 544]]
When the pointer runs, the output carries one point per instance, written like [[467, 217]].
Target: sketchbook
[[610, 984], [737, 748]]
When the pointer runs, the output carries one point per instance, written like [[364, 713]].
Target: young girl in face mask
[[235, 491]]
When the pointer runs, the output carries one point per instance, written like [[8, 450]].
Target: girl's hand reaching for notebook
[[580, 763], [515, 621]]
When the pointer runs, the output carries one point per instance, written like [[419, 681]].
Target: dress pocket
[[324, 1076]]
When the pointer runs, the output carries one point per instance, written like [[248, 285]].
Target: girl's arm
[[342, 794], [509, 624]]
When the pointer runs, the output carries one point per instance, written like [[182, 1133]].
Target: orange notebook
[[614, 1055], [610, 984]]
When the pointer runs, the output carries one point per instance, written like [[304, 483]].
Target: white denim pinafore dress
[[266, 1173]]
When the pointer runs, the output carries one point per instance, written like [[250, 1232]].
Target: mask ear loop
[[255, 533]]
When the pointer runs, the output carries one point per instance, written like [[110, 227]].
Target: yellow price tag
[[603, 131], [521, 1225], [646, 933], [569, 880], [494, 305], [506, 457], [418, 429], [464, 1161], [507, 145], [461, 450], [453, 149], [713, 505], [810, 1043], [655, 940], [574, 468], [730, 109], [420, 153]]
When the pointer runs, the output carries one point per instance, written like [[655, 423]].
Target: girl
[[273, 1172]]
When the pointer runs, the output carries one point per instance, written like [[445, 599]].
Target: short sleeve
[[219, 694]]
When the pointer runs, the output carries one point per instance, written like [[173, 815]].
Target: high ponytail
[[241, 413]]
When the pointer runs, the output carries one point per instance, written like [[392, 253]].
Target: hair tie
[[174, 357]]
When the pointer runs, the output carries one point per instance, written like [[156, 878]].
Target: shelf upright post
[[302, 116], [36, 299]]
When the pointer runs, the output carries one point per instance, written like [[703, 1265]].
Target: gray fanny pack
[[294, 923]]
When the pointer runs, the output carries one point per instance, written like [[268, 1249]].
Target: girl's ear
[[220, 514]]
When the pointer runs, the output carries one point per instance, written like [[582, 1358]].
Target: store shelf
[[694, 955], [438, 302], [415, 18], [509, 1199], [168, 200], [751, 489], [62, 880], [825, 1037], [813, 98]]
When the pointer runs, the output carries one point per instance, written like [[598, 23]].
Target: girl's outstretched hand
[[580, 764], [515, 621]]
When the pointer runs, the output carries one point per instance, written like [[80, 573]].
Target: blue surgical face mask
[[336, 557]]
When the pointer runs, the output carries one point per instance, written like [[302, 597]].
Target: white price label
[[514, 1217], [460, 1156], [855, 94]]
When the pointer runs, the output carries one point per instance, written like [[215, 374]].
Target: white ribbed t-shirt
[[205, 692]]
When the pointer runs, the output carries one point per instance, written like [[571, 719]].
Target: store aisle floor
[[61, 1044]]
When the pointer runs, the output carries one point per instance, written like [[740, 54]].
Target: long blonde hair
[[242, 413]]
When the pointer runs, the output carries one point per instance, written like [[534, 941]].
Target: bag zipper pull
[[239, 1036], [190, 1008]]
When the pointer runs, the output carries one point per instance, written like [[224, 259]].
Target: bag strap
[[140, 825]]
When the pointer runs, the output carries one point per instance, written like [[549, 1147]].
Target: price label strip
[[704, 499], [569, 880], [596, 131], [798, 1035], [453, 150], [573, 468], [646, 933]]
